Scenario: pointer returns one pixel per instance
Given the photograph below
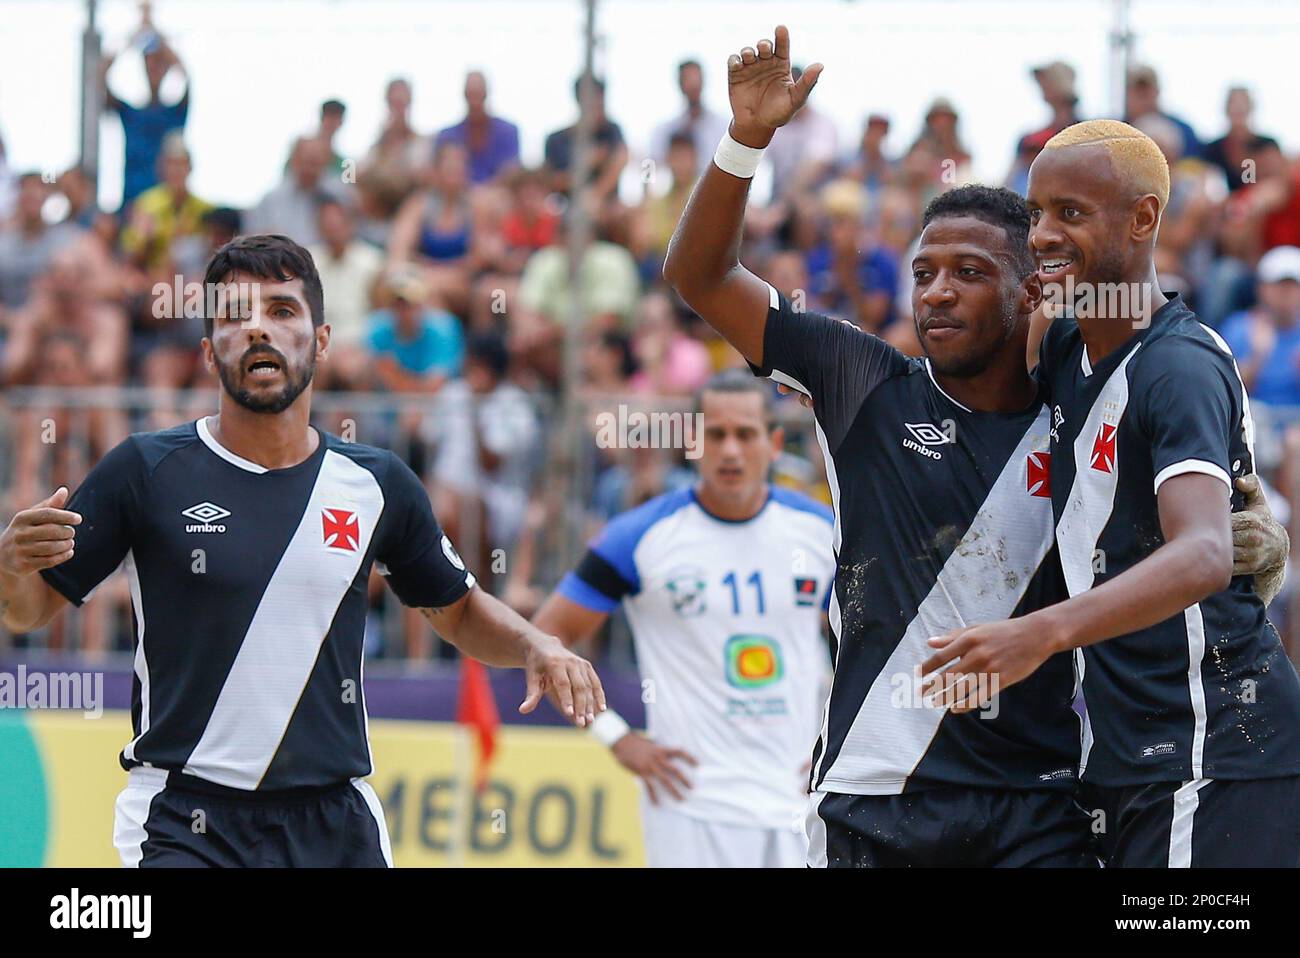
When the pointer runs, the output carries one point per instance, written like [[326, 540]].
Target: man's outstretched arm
[[487, 629], [1195, 561], [703, 261]]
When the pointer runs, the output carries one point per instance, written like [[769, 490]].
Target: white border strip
[[1192, 465]]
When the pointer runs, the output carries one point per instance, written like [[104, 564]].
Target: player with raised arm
[[248, 539], [1193, 745], [724, 585], [941, 480]]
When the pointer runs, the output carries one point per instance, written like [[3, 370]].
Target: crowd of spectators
[[445, 261]]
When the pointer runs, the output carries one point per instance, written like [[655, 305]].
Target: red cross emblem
[[341, 529], [1103, 449], [1040, 474]]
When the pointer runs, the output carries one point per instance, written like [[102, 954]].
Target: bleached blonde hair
[[1135, 156]]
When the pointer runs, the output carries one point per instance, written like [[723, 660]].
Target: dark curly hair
[[994, 205]]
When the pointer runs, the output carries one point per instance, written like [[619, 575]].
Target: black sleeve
[[107, 501], [1188, 405], [831, 360], [422, 566]]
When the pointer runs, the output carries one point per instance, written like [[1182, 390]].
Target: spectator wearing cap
[[416, 347], [144, 127], [349, 270], [1266, 339], [164, 214], [1142, 96], [696, 121], [1056, 83], [491, 141], [293, 207], [608, 153], [940, 134]]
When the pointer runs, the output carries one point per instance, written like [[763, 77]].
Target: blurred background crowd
[[446, 261]]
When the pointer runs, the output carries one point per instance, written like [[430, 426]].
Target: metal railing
[[518, 546]]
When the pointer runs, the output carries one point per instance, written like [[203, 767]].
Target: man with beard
[[248, 539]]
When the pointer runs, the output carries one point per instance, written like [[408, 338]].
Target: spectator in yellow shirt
[[166, 213]]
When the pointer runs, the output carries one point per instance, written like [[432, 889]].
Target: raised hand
[[764, 95]]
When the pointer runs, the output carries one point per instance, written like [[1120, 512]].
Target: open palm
[[763, 93]]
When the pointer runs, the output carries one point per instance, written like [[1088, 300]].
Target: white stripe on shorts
[[816, 829], [1186, 801], [132, 810], [376, 809]]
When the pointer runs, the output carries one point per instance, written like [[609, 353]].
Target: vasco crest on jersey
[[342, 530]]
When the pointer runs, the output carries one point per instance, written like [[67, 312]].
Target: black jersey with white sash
[[248, 587], [1208, 693], [943, 519]]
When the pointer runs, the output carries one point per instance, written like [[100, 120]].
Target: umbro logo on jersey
[[342, 531], [1038, 477], [1103, 449], [925, 435], [205, 515], [1164, 748]]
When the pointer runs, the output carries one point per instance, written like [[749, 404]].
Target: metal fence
[[520, 529]]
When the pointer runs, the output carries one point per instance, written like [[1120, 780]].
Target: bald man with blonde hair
[[1191, 744]]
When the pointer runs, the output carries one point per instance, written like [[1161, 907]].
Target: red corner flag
[[477, 708]]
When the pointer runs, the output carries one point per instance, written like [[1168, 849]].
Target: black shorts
[[951, 827], [168, 820], [1205, 823]]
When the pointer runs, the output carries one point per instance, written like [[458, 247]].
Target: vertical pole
[[580, 232], [92, 98], [1121, 56]]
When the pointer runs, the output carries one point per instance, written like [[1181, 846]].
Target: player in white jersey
[[724, 586]]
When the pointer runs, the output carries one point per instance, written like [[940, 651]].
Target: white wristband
[[737, 158], [609, 727]]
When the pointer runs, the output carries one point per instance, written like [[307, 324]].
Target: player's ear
[[1031, 294], [322, 341], [205, 344], [1146, 219]]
